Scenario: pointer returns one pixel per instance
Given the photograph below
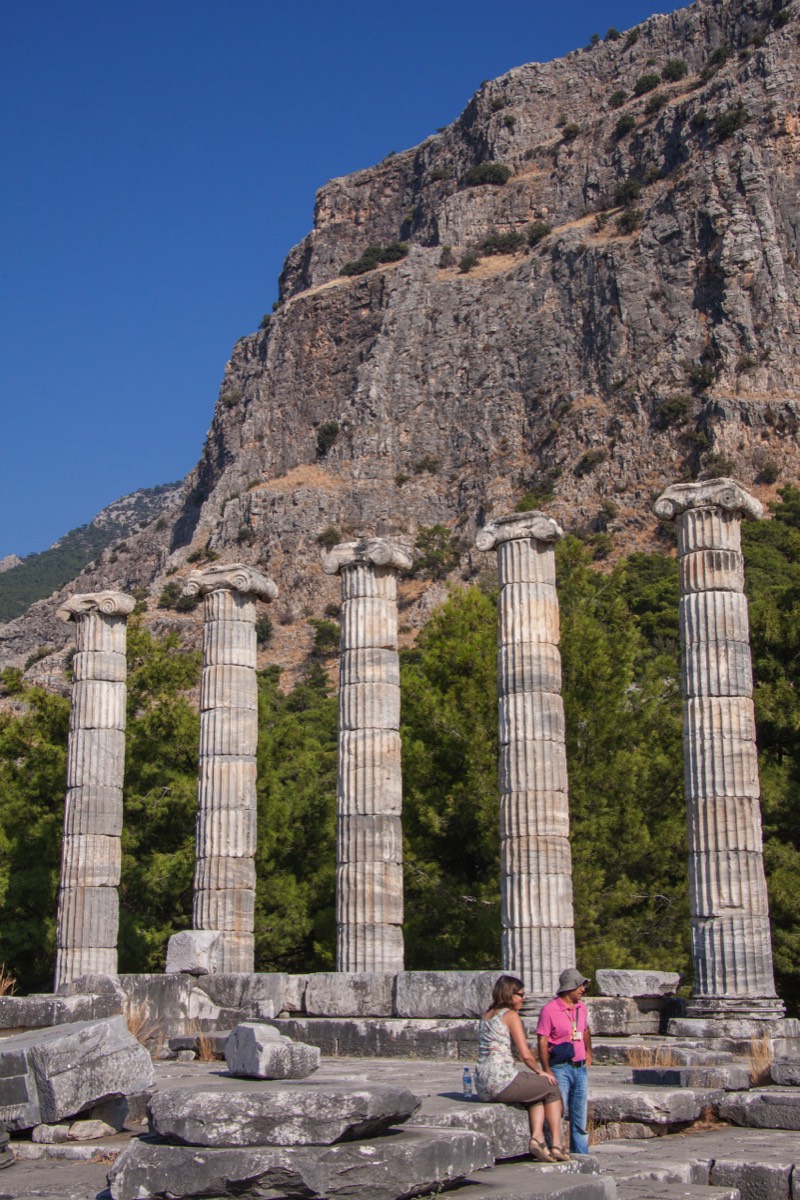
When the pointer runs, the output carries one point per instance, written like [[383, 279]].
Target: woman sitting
[[498, 1077]]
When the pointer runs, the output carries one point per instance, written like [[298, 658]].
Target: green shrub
[[769, 473], [674, 69], [327, 434], [447, 258], [629, 190], [699, 119], [170, 595], [570, 132], [718, 464], [503, 243], [591, 459], [746, 362], [467, 262], [265, 320], [428, 464], [487, 172], [326, 636], [329, 537], [509, 121], [630, 220], [655, 103], [781, 18], [674, 410], [702, 375], [197, 555], [618, 98], [438, 174], [646, 83], [715, 60], [246, 535], [497, 103], [594, 40], [263, 630], [536, 231], [374, 256], [439, 552], [632, 38], [187, 603], [38, 654], [613, 35], [732, 119], [334, 611], [624, 125]]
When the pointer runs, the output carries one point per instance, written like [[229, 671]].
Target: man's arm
[[587, 1041], [544, 1052]]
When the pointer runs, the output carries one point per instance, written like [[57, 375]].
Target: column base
[[755, 1008]]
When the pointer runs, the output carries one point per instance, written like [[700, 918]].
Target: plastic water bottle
[[466, 1086]]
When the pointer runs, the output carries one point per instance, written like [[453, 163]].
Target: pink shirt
[[556, 1024]]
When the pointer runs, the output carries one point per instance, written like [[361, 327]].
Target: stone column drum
[[535, 859], [728, 892], [88, 899], [369, 854], [225, 878]]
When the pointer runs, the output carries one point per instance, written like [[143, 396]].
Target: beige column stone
[[369, 857], [535, 859], [728, 892], [88, 899], [225, 879]]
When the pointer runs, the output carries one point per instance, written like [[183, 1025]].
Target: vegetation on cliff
[[620, 657]]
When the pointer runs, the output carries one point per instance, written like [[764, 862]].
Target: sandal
[[560, 1154], [539, 1151]]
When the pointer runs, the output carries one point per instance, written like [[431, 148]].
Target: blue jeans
[[573, 1083]]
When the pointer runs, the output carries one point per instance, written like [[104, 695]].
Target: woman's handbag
[[562, 1053]]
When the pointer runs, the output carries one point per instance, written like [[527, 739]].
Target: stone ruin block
[[193, 952], [405, 1164], [257, 1114], [257, 1051], [41, 1012], [59, 1072], [253, 996], [432, 994], [637, 983], [163, 1001], [620, 1016], [731, 1078], [763, 1110], [785, 1072], [350, 994]]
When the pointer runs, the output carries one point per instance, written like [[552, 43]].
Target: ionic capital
[[722, 493], [236, 577], [516, 526], [109, 604], [376, 552]]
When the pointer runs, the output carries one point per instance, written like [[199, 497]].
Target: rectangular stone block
[[254, 1050], [230, 642], [99, 665], [528, 612], [88, 917], [350, 994], [369, 623], [38, 1012], [731, 1078], [370, 778], [104, 635], [533, 766], [534, 814], [369, 893], [432, 994], [386, 1038], [90, 860], [376, 838], [535, 900], [712, 570], [251, 994], [528, 666], [91, 809], [637, 983], [161, 1000], [375, 949], [531, 716], [221, 873], [193, 951], [622, 1016], [97, 704], [228, 732], [224, 909], [96, 757], [227, 832], [717, 669], [369, 665], [228, 686], [777, 1109], [369, 706]]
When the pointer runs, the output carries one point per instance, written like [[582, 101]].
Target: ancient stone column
[[369, 855], [88, 900], [535, 859], [728, 892], [225, 878]]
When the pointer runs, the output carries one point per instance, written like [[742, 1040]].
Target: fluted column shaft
[[225, 877], [535, 859], [88, 899], [369, 845], [730, 927]]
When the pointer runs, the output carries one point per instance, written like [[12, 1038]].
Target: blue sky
[[158, 162]]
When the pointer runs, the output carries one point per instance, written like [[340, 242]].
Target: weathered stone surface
[[50, 1135], [505, 1125], [38, 1012], [786, 1072], [404, 1164], [298, 1114], [350, 994], [164, 1000], [58, 1072], [636, 1189], [193, 951], [636, 983], [755, 1180], [90, 1131], [618, 1016], [730, 1078], [740, 1029], [258, 1051], [256, 995], [442, 993], [656, 1106], [773, 1109], [398, 1038]]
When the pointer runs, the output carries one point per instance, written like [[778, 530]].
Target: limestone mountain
[[582, 290]]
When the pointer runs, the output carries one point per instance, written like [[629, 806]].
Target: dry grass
[[760, 1058], [708, 1119], [205, 1048], [8, 984], [147, 1031], [651, 1056]]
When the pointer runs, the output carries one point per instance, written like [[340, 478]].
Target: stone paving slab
[[773, 1108], [653, 1190], [731, 1078], [536, 1181]]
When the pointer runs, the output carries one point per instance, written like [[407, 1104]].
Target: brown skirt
[[528, 1088]]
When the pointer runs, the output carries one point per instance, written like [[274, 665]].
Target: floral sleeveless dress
[[496, 1066]]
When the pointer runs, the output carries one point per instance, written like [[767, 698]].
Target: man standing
[[565, 1048]]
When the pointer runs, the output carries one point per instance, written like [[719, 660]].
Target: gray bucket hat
[[569, 979]]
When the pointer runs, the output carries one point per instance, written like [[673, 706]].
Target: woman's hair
[[504, 988]]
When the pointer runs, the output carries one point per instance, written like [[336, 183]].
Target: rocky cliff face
[[649, 333]]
